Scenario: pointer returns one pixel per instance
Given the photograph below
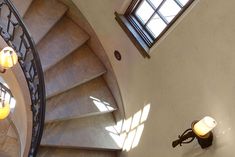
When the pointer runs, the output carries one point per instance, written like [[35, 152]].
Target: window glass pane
[[144, 12], [156, 3], [169, 9], [156, 25], [183, 2]]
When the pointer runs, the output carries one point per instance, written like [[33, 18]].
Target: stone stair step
[[91, 98], [64, 38], [77, 68], [12, 132], [42, 16], [86, 133], [11, 147], [4, 154], [22, 7], [68, 152]]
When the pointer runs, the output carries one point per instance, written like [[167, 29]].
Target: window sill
[[133, 35]]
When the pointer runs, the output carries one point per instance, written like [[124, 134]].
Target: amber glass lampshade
[[4, 110], [8, 58]]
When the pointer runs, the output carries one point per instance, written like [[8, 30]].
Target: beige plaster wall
[[191, 74]]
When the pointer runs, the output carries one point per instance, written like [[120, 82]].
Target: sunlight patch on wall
[[127, 133]]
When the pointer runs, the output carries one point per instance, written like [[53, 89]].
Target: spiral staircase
[[79, 103]]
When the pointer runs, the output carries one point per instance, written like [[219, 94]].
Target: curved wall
[[191, 74]]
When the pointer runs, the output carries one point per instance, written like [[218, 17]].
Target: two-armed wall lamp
[[8, 58], [201, 130]]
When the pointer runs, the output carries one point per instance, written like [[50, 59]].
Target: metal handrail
[[4, 92], [17, 36]]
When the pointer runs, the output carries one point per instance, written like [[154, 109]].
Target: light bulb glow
[[8, 58], [204, 126], [4, 110]]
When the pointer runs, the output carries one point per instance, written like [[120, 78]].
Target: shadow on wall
[[220, 141], [197, 151]]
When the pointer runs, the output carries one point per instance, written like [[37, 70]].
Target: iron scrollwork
[[6, 96], [17, 36]]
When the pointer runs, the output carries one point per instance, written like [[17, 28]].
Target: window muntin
[[167, 13], [183, 2], [144, 12], [156, 21], [156, 16], [146, 21]]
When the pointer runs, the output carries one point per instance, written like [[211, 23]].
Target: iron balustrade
[[6, 96], [17, 36]]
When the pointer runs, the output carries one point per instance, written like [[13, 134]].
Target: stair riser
[[65, 152], [74, 85], [76, 117], [42, 16], [89, 132]]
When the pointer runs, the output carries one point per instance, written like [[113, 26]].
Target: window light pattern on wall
[[156, 15], [127, 132]]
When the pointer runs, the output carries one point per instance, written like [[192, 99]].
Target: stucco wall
[[191, 74]]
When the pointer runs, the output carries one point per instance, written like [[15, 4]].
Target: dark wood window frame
[[142, 38]]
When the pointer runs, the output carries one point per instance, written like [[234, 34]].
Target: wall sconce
[[8, 58], [201, 130]]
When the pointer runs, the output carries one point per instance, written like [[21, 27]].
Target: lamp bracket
[[204, 141]]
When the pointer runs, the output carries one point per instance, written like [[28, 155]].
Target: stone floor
[[9, 146]]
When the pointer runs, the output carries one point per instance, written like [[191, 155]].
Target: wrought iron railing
[[16, 35], [6, 96]]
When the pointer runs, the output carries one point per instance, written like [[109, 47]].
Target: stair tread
[[22, 7], [90, 98], [68, 152], [42, 16], [89, 132], [64, 38], [10, 147], [77, 68]]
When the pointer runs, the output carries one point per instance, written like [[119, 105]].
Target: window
[[145, 21]]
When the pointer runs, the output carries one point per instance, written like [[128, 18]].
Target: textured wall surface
[[191, 74]]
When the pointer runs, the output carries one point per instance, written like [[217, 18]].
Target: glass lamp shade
[[8, 58], [204, 126], [4, 110]]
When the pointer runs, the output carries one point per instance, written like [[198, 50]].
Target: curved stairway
[[79, 103]]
